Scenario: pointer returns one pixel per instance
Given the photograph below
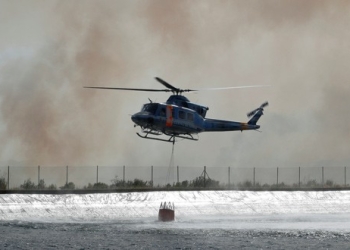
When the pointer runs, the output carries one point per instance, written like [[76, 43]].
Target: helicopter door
[[169, 116]]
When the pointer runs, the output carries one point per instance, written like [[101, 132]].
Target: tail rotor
[[253, 112], [256, 113]]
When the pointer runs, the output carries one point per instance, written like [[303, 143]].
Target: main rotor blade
[[168, 85], [235, 87], [173, 89], [132, 89]]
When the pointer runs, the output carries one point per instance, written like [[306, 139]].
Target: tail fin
[[255, 118], [256, 113]]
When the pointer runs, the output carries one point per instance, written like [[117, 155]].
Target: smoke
[[50, 50], [47, 114]]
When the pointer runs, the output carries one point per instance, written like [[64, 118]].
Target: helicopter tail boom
[[213, 125]]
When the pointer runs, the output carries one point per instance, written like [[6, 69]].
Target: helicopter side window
[[182, 114], [190, 116], [162, 112]]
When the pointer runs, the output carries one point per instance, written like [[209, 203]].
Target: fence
[[228, 177]]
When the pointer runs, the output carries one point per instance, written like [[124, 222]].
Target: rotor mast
[[176, 91]]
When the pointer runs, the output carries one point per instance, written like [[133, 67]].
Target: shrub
[[311, 183], [3, 183], [69, 186], [99, 185], [52, 187], [184, 183], [329, 183], [204, 182], [117, 183], [246, 184], [28, 185], [41, 184]]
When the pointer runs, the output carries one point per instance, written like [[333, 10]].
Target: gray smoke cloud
[[50, 50]]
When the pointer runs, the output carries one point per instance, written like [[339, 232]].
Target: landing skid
[[171, 137], [187, 137]]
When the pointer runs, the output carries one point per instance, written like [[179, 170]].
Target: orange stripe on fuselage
[[244, 126], [169, 116]]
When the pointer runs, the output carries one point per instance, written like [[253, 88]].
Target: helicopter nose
[[135, 118], [140, 119]]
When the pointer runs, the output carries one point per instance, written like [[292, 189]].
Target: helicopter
[[178, 118]]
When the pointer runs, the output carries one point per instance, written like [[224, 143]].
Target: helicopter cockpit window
[[150, 107], [199, 110]]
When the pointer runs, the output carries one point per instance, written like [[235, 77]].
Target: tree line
[[199, 182], [116, 183]]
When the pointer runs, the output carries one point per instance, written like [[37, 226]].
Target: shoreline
[[133, 190]]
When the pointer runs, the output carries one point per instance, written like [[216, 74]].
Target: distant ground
[[129, 190]]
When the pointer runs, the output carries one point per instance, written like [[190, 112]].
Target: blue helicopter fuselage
[[179, 116]]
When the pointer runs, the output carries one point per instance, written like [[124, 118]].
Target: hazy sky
[[49, 50]]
